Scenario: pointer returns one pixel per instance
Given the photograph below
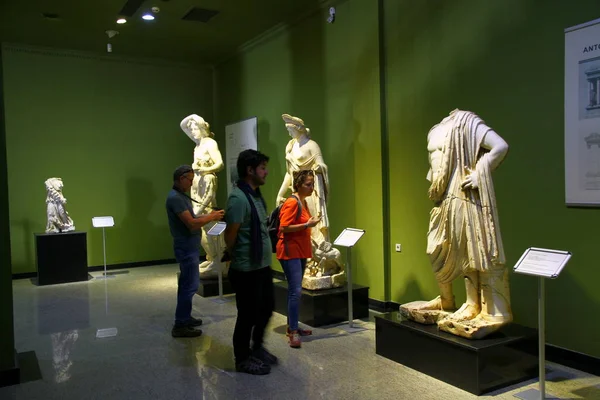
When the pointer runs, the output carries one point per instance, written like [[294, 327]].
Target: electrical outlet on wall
[[398, 247]]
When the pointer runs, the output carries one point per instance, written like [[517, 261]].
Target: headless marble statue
[[207, 162], [464, 233], [58, 219], [325, 269]]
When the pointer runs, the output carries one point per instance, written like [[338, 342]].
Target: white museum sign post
[[348, 238], [544, 264]]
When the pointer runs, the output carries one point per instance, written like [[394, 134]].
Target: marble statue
[[207, 162], [325, 269], [464, 237], [58, 218]]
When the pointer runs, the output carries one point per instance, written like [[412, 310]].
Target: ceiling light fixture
[[121, 21], [148, 17]]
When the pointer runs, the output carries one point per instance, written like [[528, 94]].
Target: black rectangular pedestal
[[210, 287], [11, 376], [61, 257], [477, 366], [325, 307]]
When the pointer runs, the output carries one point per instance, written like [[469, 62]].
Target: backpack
[[273, 224]]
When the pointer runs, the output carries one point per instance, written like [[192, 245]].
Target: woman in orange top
[[294, 247]]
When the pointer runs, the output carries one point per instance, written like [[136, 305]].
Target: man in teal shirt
[[249, 246], [186, 231]]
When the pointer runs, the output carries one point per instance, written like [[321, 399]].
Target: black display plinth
[[325, 307], [12, 375], [61, 257], [477, 366], [210, 287]]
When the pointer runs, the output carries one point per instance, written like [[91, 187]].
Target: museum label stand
[[348, 239], [213, 234], [103, 222], [544, 264]]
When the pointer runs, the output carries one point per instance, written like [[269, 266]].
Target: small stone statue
[[58, 217]]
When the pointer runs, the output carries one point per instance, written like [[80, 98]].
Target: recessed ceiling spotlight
[[121, 21], [148, 17]]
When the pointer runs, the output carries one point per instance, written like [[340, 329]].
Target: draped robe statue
[[207, 162], [325, 269], [464, 237]]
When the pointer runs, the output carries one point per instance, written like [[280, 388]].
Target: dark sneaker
[[193, 322], [185, 331], [263, 355], [252, 366]]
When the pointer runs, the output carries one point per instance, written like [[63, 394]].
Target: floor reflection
[[62, 345]]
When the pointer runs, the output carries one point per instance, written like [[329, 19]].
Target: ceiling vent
[[130, 7], [199, 15]]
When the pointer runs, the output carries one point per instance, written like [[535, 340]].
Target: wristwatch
[[306, 225]]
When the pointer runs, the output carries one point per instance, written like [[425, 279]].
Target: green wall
[[309, 70], [109, 127], [503, 60], [7, 343]]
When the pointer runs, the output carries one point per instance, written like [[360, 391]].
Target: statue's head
[[54, 184], [199, 127], [295, 126]]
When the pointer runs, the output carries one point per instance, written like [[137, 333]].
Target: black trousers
[[255, 302]]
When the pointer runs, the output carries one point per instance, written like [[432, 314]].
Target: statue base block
[[476, 366], [61, 257], [210, 287], [324, 282], [324, 307], [411, 311]]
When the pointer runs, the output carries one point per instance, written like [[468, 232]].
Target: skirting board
[[28, 275]]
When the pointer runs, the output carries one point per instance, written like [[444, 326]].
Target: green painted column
[[8, 371]]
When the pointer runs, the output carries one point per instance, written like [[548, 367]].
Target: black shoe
[[263, 355], [193, 322], [185, 331], [252, 366]]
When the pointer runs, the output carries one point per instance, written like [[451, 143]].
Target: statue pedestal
[[210, 287], [476, 366], [61, 257], [324, 307]]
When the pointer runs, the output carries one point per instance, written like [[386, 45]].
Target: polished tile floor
[[60, 324]]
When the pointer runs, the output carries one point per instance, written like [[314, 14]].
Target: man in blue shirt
[[186, 232], [249, 245]]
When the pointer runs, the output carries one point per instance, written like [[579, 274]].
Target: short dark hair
[[180, 171], [249, 158]]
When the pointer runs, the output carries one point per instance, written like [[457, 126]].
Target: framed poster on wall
[[582, 114], [240, 136]]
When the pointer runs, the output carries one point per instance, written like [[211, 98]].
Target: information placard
[[103, 222], [217, 229], [542, 262], [349, 237]]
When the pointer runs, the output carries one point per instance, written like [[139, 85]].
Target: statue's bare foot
[[437, 304], [466, 312]]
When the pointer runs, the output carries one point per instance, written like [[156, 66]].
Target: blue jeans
[[294, 271], [188, 257]]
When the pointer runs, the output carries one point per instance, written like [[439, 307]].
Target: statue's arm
[[184, 126], [287, 182], [498, 148], [320, 167]]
